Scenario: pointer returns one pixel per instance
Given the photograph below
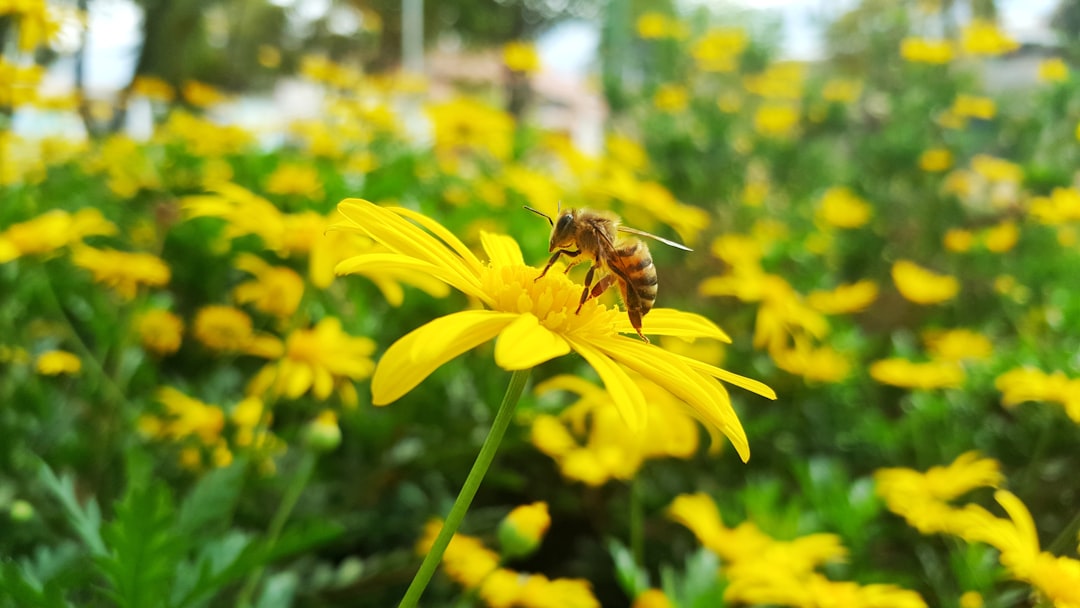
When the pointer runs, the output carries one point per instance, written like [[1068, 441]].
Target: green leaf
[[212, 500], [632, 580], [19, 588], [144, 548], [85, 520]]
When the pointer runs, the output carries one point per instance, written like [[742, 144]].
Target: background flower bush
[[186, 402]]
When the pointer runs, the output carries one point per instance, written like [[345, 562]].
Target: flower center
[[553, 299]]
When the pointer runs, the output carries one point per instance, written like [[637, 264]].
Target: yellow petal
[[412, 358], [754, 386], [501, 249], [671, 322], [525, 343], [1021, 517], [625, 393], [567, 382], [382, 263], [707, 399], [440, 231], [297, 379]]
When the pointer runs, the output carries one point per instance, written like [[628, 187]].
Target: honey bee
[[583, 234]]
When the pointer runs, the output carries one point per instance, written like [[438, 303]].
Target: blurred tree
[[869, 35], [1066, 20]]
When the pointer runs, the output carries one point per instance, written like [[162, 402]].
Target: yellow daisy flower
[[122, 271], [56, 362], [534, 321], [923, 286], [160, 331]]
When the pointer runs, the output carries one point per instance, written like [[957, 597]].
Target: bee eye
[[564, 222]]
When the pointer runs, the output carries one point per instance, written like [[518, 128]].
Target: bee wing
[[653, 236]]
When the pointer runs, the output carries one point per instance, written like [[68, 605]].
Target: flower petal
[[412, 358], [525, 343], [754, 386], [370, 264], [440, 231], [625, 393], [707, 399], [501, 249], [671, 322]]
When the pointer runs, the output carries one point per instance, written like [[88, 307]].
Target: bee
[[583, 234]]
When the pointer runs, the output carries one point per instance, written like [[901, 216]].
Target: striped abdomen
[[633, 264]]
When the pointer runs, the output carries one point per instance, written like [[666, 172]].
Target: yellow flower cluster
[[923, 500], [477, 568], [762, 570], [1026, 384]]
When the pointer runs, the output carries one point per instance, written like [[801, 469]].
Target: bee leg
[[555, 258], [600, 287], [588, 284]]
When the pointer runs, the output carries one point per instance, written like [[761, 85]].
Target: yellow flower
[[465, 124], [842, 208], [776, 120], [970, 106], [653, 25], [534, 320], [936, 160], [1053, 70], [841, 90], [997, 169], [153, 88], [320, 360], [821, 364], [719, 49], [671, 98], [926, 376], [56, 362], [122, 271], [652, 598], [466, 560], [922, 286], [1002, 237], [295, 179], [1062, 206], [202, 95], [160, 331], [921, 50], [612, 449], [50, 231], [276, 290], [1025, 384], [189, 417], [227, 329], [983, 37], [845, 299], [521, 56], [971, 599], [958, 345], [958, 240]]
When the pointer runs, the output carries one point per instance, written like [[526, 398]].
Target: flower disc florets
[[552, 299]]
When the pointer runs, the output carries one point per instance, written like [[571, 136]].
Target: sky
[[113, 34]]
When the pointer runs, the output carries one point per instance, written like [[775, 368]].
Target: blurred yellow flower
[[922, 498], [844, 299], [970, 106], [627, 151], [1002, 237], [1026, 384], [652, 25], [782, 80], [57, 362], [984, 37], [672, 98], [936, 160], [318, 360], [276, 290], [652, 598], [958, 240], [822, 364], [1053, 70], [202, 95], [122, 271], [923, 286], [295, 179], [958, 345], [719, 49], [189, 417], [160, 331], [50, 231], [521, 56], [229, 330], [971, 599], [534, 320], [612, 450], [997, 169], [921, 50], [842, 90], [842, 208], [469, 125], [269, 56], [925, 376], [776, 120], [153, 88], [1062, 206]]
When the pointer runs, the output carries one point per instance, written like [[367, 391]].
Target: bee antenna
[[541, 214]]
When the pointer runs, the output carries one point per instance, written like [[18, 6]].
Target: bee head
[[564, 231]]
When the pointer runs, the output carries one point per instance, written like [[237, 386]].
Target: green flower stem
[[637, 523], [468, 491], [277, 524]]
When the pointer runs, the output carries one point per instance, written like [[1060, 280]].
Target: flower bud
[[523, 528], [323, 433], [21, 511]]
